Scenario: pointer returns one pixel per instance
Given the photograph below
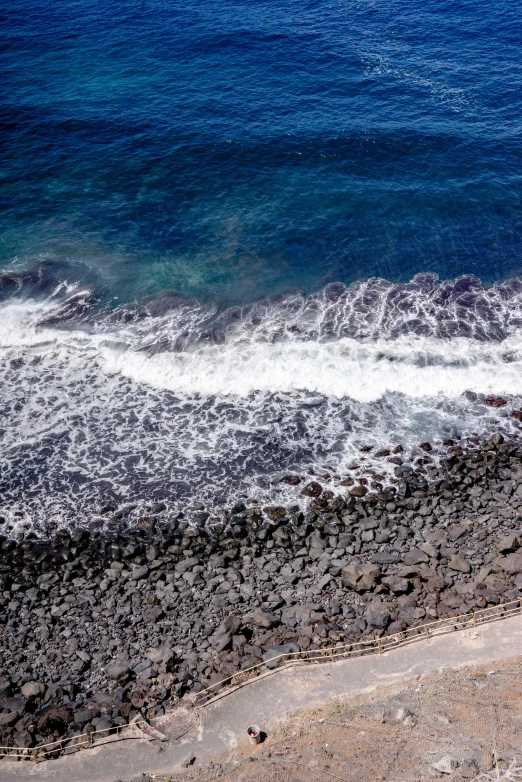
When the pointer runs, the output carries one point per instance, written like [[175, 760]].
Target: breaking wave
[[173, 400]]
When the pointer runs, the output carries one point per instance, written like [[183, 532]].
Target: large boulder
[[273, 657], [84, 715], [9, 718], [377, 615], [396, 584], [384, 558], [415, 557], [360, 577], [507, 544], [221, 641], [57, 718], [265, 619], [117, 669], [511, 564], [312, 489], [186, 564], [457, 562], [358, 491], [139, 572], [275, 512], [32, 689]]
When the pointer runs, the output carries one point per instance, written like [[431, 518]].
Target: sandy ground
[[380, 717], [470, 720]]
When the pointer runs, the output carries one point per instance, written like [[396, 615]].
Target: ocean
[[240, 241]]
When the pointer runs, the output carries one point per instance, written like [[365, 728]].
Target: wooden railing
[[280, 662], [359, 648], [69, 744]]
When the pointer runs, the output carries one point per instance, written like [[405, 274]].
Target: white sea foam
[[415, 366], [166, 406]]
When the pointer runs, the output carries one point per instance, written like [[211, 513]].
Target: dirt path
[[219, 731], [467, 722]]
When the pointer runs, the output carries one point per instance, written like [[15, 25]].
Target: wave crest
[[173, 400]]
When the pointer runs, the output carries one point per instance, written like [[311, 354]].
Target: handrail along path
[[281, 662]]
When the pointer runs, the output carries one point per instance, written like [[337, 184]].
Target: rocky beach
[[260, 343], [136, 615]]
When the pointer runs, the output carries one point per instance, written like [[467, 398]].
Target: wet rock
[[291, 480], [169, 584], [426, 447], [275, 513], [495, 401], [358, 491], [312, 489], [319, 505]]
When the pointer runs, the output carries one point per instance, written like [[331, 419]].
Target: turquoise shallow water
[[175, 178]]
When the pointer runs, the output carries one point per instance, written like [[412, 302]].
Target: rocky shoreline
[[99, 626]]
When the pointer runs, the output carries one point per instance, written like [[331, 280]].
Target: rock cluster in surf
[[100, 627]]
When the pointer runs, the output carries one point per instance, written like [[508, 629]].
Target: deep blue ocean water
[[213, 220]]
